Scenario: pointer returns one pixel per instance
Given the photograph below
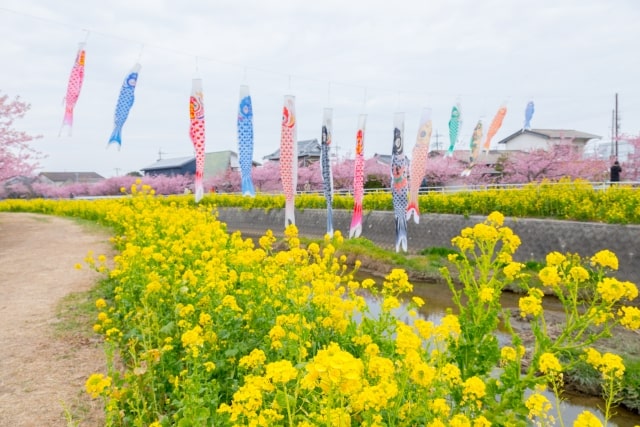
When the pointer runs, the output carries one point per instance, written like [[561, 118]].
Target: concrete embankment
[[539, 236]]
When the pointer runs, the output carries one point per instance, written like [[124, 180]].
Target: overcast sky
[[374, 57]]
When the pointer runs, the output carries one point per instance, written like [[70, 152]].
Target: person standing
[[615, 171]]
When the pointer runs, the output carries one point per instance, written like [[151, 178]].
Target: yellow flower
[[484, 232], [481, 421], [587, 419], [267, 240], [192, 337], [605, 258], [334, 369], [419, 302], [281, 372], [96, 384], [608, 364], [362, 340], [425, 328], [381, 367], [473, 390], [253, 360], [512, 269], [464, 243], [549, 364], [153, 286], [555, 259], [579, 274], [538, 405], [629, 317], [422, 374], [495, 218], [397, 282], [486, 294], [508, 354], [612, 290], [449, 327], [389, 303], [406, 339], [612, 366], [549, 276], [291, 231], [451, 374], [368, 283], [440, 406], [530, 305], [460, 420], [100, 303]]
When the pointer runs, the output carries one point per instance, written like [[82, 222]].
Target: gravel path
[[42, 374]]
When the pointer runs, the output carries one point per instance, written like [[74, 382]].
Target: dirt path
[[42, 374]]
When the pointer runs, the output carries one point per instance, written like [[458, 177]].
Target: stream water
[[438, 300]]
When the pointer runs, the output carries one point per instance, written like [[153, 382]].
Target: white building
[[534, 139]]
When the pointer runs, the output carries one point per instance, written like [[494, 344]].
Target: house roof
[[306, 148], [72, 176], [175, 162], [551, 134]]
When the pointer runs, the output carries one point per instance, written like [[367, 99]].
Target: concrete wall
[[539, 236]]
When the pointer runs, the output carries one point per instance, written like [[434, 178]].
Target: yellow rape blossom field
[[565, 199], [203, 327]]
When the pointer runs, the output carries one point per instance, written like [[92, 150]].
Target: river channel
[[437, 297]]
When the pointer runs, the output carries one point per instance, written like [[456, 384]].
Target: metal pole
[[617, 125]]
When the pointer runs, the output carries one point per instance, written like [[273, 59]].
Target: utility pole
[[617, 125], [160, 153], [117, 171], [613, 132], [437, 145], [337, 149]]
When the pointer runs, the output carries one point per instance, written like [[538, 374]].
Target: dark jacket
[[615, 172]]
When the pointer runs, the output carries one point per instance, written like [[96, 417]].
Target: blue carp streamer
[[245, 141], [125, 102]]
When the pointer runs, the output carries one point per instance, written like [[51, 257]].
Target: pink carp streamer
[[196, 132], [289, 158], [418, 166], [474, 148], [73, 88], [358, 180], [494, 127]]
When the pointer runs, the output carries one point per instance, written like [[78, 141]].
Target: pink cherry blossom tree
[[377, 174], [343, 174], [310, 177], [266, 178], [561, 160], [443, 170], [17, 157], [228, 181], [631, 167]]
